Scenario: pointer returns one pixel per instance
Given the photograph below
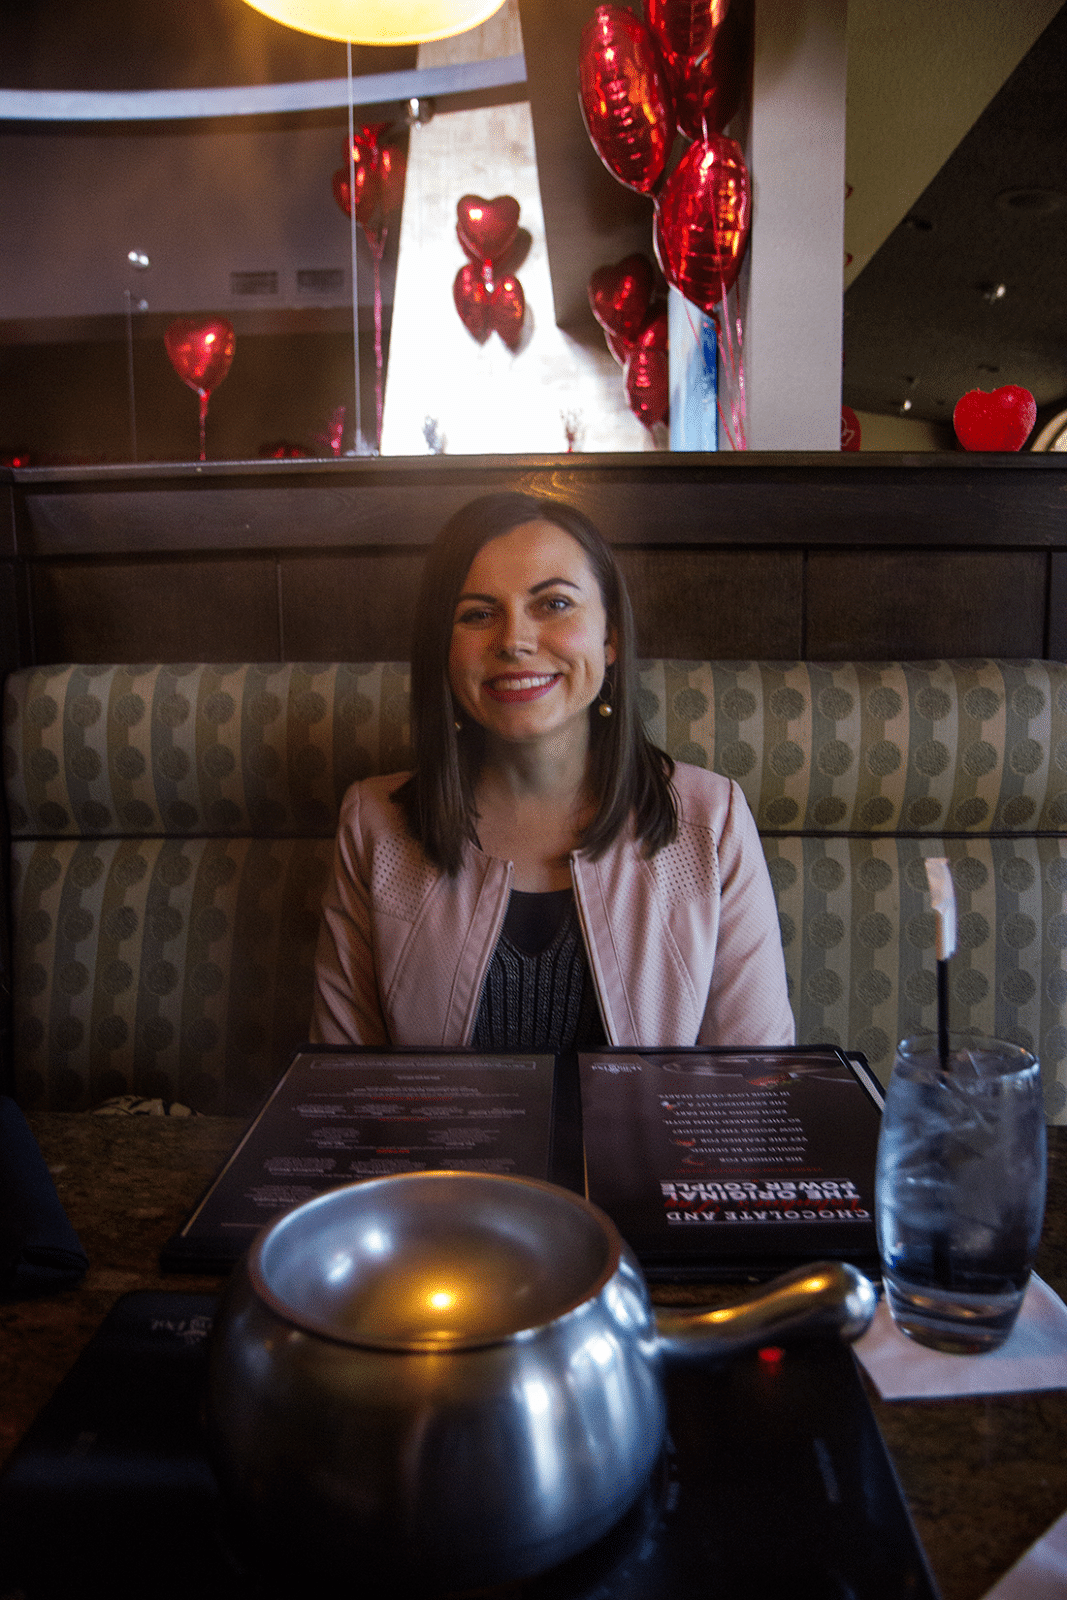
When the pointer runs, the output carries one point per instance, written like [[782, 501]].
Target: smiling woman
[[546, 878], [530, 648]]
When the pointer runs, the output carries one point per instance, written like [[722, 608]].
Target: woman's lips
[[521, 687]]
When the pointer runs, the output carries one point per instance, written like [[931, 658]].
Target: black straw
[[942, 1013]]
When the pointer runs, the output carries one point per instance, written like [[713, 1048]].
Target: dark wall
[[68, 403]]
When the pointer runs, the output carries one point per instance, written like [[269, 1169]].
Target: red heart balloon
[[392, 169], [685, 28], [282, 450], [487, 228], [472, 301], [652, 335], [621, 347], [702, 221], [1002, 420], [369, 135], [342, 188], [379, 172], [507, 310], [654, 330], [364, 166], [625, 98], [705, 46], [619, 295], [648, 385], [851, 433], [200, 351]]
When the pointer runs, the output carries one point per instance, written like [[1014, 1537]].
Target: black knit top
[[539, 992]]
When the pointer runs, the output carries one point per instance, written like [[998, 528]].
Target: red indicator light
[[772, 1354]]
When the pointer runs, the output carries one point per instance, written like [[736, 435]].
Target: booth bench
[[169, 836]]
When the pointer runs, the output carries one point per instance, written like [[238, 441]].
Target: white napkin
[[1039, 1574], [1034, 1355]]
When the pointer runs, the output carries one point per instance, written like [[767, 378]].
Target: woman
[[546, 878]]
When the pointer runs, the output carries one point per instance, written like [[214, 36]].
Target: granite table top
[[983, 1477]]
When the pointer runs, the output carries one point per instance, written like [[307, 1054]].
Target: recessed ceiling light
[[1039, 202]]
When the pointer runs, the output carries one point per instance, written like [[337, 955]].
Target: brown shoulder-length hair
[[629, 775]]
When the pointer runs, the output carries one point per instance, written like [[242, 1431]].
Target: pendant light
[[379, 21]]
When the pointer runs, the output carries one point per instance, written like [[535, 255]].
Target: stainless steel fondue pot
[[455, 1378]]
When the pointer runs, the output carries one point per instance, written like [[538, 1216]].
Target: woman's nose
[[517, 635]]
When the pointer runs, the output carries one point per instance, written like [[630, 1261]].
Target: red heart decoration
[[648, 385], [685, 28], [619, 295], [472, 301], [379, 172], [1002, 420], [624, 96], [652, 335], [654, 330], [487, 229], [369, 135], [282, 450], [507, 310], [200, 351], [341, 189], [621, 347], [705, 46], [392, 169], [851, 433], [702, 221]]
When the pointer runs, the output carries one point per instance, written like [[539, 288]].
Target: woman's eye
[[475, 616], [556, 603]]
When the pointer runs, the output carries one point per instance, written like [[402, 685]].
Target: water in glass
[[960, 1189]]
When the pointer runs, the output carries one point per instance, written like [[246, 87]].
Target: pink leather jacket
[[684, 949]]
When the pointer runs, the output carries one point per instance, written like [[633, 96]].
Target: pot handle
[[827, 1297]]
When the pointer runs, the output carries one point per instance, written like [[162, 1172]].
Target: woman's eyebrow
[[490, 599], [550, 583]]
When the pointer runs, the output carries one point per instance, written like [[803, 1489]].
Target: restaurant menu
[[713, 1162], [336, 1118]]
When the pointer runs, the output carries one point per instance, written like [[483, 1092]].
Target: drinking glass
[[960, 1189]]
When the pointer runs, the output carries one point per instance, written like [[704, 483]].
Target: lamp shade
[[379, 21]]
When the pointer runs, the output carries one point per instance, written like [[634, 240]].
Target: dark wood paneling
[[15, 643], [687, 603], [1056, 645], [905, 556], [7, 513], [876, 604], [157, 611], [356, 607], [1009, 501], [712, 605]]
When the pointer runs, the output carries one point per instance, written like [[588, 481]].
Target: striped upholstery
[[171, 832]]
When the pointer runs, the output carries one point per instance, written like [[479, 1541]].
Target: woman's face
[[530, 636]]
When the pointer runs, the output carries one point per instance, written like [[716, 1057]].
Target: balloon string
[[735, 368], [352, 238], [205, 396], [378, 251], [738, 404]]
